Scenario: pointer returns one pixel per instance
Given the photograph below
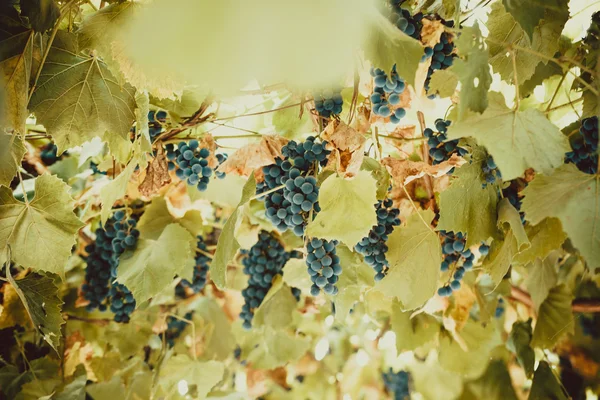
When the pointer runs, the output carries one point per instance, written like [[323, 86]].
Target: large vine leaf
[[42, 14], [414, 332], [545, 385], [11, 153], [571, 196], [98, 30], [154, 263], [228, 245], [544, 237], [504, 31], [277, 307], [157, 217], [541, 279], [515, 240], [40, 297], [519, 343], [555, 318], [527, 13], [268, 348], [204, 375], [16, 52], [387, 45], [77, 98], [340, 198], [494, 384], [114, 191], [517, 140], [46, 223], [354, 281], [414, 256], [468, 207]]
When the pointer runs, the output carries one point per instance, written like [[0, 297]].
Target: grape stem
[[578, 305], [204, 253]]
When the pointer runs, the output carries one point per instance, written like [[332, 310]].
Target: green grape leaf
[[227, 246], [517, 140], [467, 207], [154, 263], [515, 240], [294, 274], [110, 390], [77, 98], [267, 348], [289, 122], [591, 106], [204, 375], [414, 332], [114, 191], [435, 382], [555, 318], [75, 390], [40, 297], [381, 175], [276, 310], [546, 385], [226, 192], [542, 72], [42, 14], [119, 147], [519, 343], [473, 71], [471, 359], [443, 82], [157, 216], [356, 278], [571, 196], [387, 45], [504, 31], [541, 279], [544, 237], [528, 13], [414, 256], [494, 384], [98, 30], [339, 198], [39, 389], [11, 153], [46, 223], [16, 59]]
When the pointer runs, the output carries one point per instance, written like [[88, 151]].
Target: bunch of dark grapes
[[329, 103], [221, 158], [323, 266], [439, 148], [585, 147], [454, 253], [98, 270], [512, 193], [290, 206], [491, 173], [590, 325], [374, 247], [190, 163], [49, 154], [407, 23], [122, 303], [155, 123], [397, 383], [200, 271], [442, 56], [386, 94], [261, 263], [175, 327]]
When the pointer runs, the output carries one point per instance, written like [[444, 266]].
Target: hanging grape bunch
[[386, 94], [454, 255], [190, 163], [585, 147], [442, 55], [374, 247], [323, 266], [156, 121], [175, 327], [512, 193], [397, 383], [407, 23], [329, 103], [261, 263], [49, 154], [200, 271], [98, 268], [440, 149], [491, 173], [290, 206]]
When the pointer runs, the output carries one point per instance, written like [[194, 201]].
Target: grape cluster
[[155, 123], [585, 147], [512, 194], [491, 173], [200, 271], [122, 303], [289, 207], [386, 94], [323, 265], [407, 23], [262, 263], [190, 163], [221, 158], [49, 154], [453, 250], [329, 103], [97, 273], [175, 327], [439, 148], [374, 247], [442, 56], [397, 383]]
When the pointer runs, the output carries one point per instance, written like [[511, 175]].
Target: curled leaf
[[406, 171], [157, 174], [431, 32], [347, 146], [254, 156]]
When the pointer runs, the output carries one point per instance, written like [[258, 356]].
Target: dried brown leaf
[[462, 301], [406, 171], [347, 147], [401, 132], [208, 142], [254, 156], [431, 32], [157, 174]]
